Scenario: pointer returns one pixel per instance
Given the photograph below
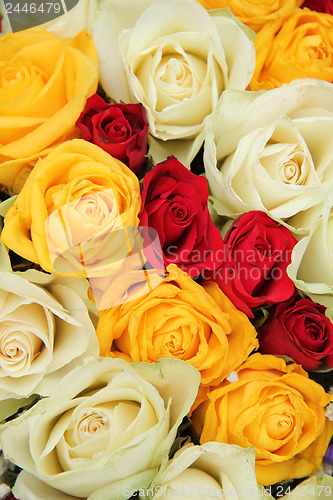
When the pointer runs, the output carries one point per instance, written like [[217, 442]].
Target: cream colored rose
[[271, 150], [212, 470], [176, 59], [311, 266], [108, 425], [44, 332]]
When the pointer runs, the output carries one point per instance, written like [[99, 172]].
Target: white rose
[[271, 150], [311, 266], [45, 331], [106, 428], [176, 59], [211, 471]]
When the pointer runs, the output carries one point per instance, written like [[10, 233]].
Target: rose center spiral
[[89, 424]]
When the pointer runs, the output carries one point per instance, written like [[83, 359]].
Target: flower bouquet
[[166, 254]]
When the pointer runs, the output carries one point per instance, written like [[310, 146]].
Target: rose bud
[[299, 330], [120, 129], [174, 203], [253, 273]]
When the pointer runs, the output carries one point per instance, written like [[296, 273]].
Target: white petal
[[4, 259], [15, 438], [230, 465], [239, 52], [71, 23], [10, 406], [177, 383], [73, 339], [111, 18], [29, 487], [170, 16], [239, 113], [120, 490], [184, 150]]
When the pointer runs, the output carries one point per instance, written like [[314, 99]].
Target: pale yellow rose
[[182, 319], [273, 407], [108, 425], [39, 103], [311, 266], [271, 150], [74, 208], [174, 58], [45, 331]]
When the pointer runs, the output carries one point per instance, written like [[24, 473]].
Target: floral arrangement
[[166, 254]]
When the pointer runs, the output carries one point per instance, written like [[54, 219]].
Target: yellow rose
[[275, 408], [14, 172], [45, 83], [181, 319], [254, 14], [298, 46], [77, 195]]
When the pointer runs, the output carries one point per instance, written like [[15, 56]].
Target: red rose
[[120, 129], [256, 253], [320, 5], [174, 203], [299, 330]]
